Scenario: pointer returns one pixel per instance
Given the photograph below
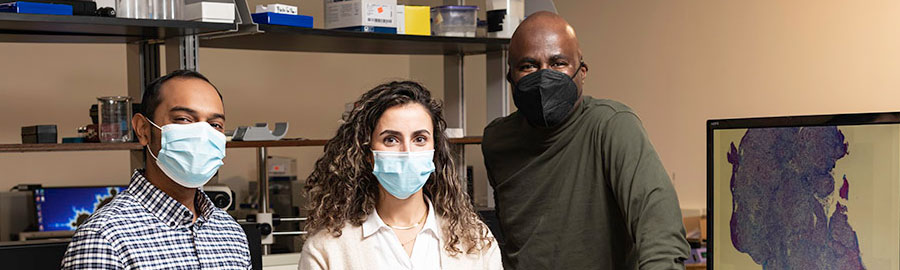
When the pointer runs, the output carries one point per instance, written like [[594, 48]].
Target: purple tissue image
[[781, 185]]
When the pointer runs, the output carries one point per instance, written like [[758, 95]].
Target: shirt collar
[[431, 221], [374, 223], [165, 208]]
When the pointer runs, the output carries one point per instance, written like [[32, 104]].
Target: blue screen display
[[64, 208]]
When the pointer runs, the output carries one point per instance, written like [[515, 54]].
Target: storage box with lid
[[454, 21]]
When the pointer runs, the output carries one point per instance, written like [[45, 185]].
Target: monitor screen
[[65, 208], [806, 192]]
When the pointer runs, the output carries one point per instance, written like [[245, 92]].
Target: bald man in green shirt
[[577, 182]]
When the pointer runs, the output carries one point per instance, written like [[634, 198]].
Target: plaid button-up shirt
[[143, 228]]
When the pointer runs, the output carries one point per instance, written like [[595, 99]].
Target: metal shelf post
[[497, 94]]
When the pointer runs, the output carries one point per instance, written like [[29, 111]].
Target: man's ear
[[584, 70], [141, 128]]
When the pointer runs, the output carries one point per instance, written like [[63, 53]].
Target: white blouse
[[378, 248], [389, 253]]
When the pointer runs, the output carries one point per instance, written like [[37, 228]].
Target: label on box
[[378, 13], [277, 8], [285, 9]]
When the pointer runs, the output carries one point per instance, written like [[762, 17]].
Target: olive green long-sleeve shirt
[[588, 194]]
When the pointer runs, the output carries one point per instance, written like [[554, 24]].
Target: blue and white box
[[283, 19], [371, 15], [36, 8]]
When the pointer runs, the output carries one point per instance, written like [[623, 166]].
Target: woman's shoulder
[[350, 234], [325, 250]]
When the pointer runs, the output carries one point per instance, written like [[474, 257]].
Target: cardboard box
[[215, 11], [413, 20], [695, 227], [377, 15]]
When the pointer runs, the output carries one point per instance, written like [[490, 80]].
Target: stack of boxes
[[380, 16]]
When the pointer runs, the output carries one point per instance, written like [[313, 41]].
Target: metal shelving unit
[[297, 39], [183, 39], [251, 36]]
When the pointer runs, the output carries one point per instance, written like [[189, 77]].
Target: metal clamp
[[261, 132]]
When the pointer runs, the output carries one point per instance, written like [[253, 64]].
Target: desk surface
[[697, 266], [281, 261]]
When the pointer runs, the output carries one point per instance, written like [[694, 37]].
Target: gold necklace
[[411, 226], [409, 241]]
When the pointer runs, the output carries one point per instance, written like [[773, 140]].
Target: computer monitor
[[804, 192], [65, 208]]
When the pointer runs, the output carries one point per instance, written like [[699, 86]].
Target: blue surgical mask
[[190, 154], [403, 173]]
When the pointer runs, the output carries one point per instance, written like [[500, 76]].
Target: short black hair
[[150, 99]]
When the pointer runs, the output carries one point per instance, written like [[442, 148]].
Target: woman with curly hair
[[386, 194]]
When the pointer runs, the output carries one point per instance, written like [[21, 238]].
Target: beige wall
[[307, 90], [679, 63], [57, 83]]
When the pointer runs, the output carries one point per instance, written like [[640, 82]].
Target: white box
[[353, 13], [105, 3], [281, 166], [216, 11]]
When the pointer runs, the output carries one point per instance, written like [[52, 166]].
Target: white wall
[[677, 63]]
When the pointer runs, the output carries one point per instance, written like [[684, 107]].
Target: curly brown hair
[[342, 188]]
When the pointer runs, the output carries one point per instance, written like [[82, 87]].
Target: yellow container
[[414, 20]]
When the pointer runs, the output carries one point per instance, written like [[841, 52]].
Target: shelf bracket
[[243, 21]]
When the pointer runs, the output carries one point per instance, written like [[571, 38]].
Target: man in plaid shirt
[[164, 220]]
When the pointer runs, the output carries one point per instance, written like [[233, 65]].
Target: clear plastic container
[[115, 118], [167, 9], [454, 21], [134, 9]]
